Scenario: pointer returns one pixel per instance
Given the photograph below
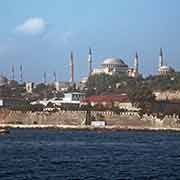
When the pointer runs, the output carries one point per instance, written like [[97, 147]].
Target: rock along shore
[[88, 128]]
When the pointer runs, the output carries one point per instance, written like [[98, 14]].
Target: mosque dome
[[114, 61], [3, 80], [164, 67]]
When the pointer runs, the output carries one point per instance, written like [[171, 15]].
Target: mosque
[[112, 66]]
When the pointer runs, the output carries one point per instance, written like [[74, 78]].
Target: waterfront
[[55, 154]]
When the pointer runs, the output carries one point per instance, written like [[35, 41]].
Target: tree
[[143, 98]]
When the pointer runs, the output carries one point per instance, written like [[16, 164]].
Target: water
[[54, 154]]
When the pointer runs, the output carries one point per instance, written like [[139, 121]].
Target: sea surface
[[54, 154]]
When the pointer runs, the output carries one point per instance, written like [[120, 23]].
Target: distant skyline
[[39, 34]]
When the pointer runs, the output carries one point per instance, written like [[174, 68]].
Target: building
[[73, 98], [61, 86], [121, 101], [112, 66], [12, 103], [164, 69], [29, 87]]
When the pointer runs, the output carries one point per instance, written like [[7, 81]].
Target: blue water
[[54, 154]]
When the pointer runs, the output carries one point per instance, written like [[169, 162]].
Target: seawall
[[76, 119]]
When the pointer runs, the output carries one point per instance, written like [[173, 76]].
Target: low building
[[98, 124], [73, 98], [62, 86], [82, 85], [12, 103], [110, 101], [69, 99]]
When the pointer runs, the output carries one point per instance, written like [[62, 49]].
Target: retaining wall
[[77, 118]]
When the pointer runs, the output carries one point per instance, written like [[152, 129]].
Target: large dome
[[114, 61]]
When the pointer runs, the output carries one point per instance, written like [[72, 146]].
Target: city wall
[[78, 118]]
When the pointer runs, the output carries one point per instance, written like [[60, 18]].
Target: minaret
[[71, 67], [90, 61], [136, 63], [161, 58], [21, 73], [45, 77], [54, 75], [13, 73]]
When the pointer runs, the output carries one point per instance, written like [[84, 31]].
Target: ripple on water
[[53, 154]]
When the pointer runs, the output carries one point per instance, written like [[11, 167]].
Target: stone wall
[[42, 118], [77, 118]]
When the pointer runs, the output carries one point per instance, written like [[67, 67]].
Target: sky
[[39, 34]]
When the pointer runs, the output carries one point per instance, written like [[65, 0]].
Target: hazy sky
[[40, 33]]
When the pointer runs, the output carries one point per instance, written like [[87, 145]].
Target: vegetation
[[162, 83], [103, 83], [28, 107], [140, 91]]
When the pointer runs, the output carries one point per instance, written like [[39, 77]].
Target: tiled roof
[[106, 98]]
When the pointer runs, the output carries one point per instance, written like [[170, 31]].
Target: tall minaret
[[45, 77], [161, 58], [21, 73], [54, 75], [13, 72], [90, 61], [71, 67], [136, 63]]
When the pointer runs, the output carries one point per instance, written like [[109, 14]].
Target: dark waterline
[[54, 154]]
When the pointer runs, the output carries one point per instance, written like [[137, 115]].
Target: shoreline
[[88, 128]]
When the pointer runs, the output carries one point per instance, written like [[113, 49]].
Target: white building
[[69, 98], [73, 98]]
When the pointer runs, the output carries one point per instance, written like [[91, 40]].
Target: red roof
[[107, 99]]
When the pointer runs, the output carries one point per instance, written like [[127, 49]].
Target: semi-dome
[[114, 61]]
